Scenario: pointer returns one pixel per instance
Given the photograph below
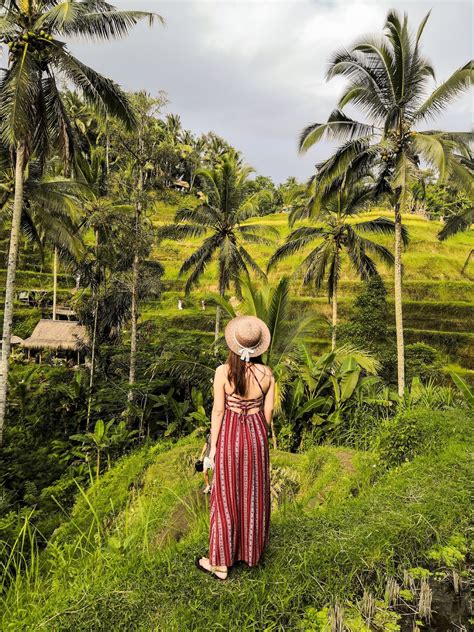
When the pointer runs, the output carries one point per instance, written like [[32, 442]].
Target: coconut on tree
[[389, 82], [33, 119], [223, 221]]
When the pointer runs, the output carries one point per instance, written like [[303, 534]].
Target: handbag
[[199, 465]]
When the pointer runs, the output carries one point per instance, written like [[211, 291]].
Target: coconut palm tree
[[335, 234], [389, 81], [33, 118], [222, 219]]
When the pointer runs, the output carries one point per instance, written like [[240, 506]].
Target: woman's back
[[258, 380]]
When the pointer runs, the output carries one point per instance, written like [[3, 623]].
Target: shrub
[[367, 327], [414, 432], [422, 360]]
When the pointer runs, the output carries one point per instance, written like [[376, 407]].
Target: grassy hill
[[342, 522], [439, 299]]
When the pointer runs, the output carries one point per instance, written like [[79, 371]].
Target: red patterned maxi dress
[[240, 494]]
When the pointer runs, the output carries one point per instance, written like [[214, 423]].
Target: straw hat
[[247, 336]]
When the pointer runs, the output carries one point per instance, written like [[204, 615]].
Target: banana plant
[[104, 438], [326, 390]]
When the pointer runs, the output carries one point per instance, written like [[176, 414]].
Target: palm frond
[[102, 93], [338, 127], [19, 88], [457, 223], [250, 261], [180, 231], [382, 226], [204, 215], [460, 81], [93, 20], [222, 302], [295, 242]]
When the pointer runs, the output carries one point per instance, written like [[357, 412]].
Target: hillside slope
[[341, 522]]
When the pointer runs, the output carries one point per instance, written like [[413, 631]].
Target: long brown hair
[[237, 374]]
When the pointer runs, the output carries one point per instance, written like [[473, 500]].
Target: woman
[[244, 391]]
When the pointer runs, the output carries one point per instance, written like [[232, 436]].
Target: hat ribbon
[[244, 352]]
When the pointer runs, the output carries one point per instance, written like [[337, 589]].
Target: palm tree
[[335, 234], [388, 80], [33, 118], [222, 219]]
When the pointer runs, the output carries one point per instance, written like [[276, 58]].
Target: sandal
[[212, 571]]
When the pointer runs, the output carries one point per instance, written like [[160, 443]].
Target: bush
[[367, 327], [423, 361], [414, 432]]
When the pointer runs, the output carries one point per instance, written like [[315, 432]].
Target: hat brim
[[230, 335]]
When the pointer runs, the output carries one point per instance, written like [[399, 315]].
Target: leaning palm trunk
[[398, 302], [10, 284]]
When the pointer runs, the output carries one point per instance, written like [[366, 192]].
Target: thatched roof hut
[[57, 335], [14, 341]]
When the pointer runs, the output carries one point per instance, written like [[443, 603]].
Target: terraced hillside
[[438, 297]]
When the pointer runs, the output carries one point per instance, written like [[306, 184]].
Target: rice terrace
[[236, 270]]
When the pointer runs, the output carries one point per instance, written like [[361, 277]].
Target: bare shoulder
[[222, 371], [265, 370]]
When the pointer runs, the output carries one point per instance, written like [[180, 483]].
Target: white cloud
[[254, 71]]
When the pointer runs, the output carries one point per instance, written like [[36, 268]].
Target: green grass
[[349, 524]]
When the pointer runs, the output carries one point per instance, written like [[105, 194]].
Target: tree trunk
[[134, 309], [55, 282], [10, 284], [398, 302], [95, 296], [217, 326], [334, 316], [133, 333], [468, 260], [91, 375]]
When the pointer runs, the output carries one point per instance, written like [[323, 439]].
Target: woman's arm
[[269, 401], [218, 410]]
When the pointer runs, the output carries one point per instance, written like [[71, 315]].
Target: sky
[[254, 71]]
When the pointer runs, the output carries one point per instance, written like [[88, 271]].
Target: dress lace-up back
[[244, 405]]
